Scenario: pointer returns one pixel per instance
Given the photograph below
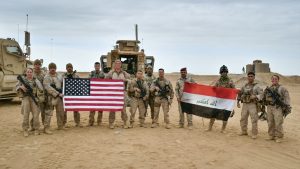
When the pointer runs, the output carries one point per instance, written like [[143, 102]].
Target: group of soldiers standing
[[145, 91]]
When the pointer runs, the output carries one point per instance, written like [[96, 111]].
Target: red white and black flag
[[208, 101], [82, 94]]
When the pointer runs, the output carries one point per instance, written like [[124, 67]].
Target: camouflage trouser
[[135, 104], [249, 109], [112, 116], [161, 102], [92, 119], [59, 112], [181, 116], [150, 102], [42, 110], [275, 121], [76, 115], [28, 106]]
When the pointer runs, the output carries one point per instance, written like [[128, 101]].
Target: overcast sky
[[201, 35]]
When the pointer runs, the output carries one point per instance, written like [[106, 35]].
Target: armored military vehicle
[[132, 57], [13, 62]]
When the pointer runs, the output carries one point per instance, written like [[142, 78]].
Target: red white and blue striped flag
[[208, 101], [82, 94]]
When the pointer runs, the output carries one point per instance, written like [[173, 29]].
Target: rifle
[[278, 101], [263, 115], [54, 87], [163, 91], [143, 91], [28, 87]]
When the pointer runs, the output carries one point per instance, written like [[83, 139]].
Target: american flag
[[82, 94]]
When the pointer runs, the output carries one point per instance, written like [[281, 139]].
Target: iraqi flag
[[208, 101]]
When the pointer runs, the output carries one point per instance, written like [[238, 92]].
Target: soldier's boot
[[168, 126], [190, 126], [90, 124], [154, 125], [36, 132], [270, 138], [26, 133], [278, 140], [211, 123], [181, 125], [254, 137], [47, 131], [143, 125], [223, 127], [243, 133], [125, 126], [99, 123], [130, 125], [111, 125]]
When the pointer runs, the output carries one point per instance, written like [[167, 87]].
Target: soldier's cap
[[149, 66], [183, 69], [69, 65], [52, 65], [37, 62], [251, 73]]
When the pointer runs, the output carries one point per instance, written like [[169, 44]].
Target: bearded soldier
[[140, 91], [250, 94], [39, 74], [149, 78], [277, 99], [53, 86], [71, 74], [163, 98], [226, 82], [178, 92]]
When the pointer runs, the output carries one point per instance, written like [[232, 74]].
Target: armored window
[[14, 50]]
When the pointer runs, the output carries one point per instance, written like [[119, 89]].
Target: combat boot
[[270, 138], [181, 125], [243, 134], [26, 133], [254, 137], [36, 132], [168, 126], [78, 125], [143, 125], [278, 140], [154, 125], [125, 126], [47, 131], [111, 126], [130, 125], [223, 127], [190, 127]]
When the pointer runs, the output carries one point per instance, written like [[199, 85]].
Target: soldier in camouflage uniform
[[28, 104], [250, 94], [71, 74], [149, 78], [53, 86], [39, 74], [163, 98], [140, 91], [275, 112], [226, 82], [178, 92], [118, 73], [96, 74]]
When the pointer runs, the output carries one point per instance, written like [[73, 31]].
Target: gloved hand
[[238, 105]]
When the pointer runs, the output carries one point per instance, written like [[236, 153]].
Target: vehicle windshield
[[14, 50]]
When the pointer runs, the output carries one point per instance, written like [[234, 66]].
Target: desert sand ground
[[100, 147]]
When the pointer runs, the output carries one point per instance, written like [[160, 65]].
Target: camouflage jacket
[[282, 91], [35, 84], [99, 75], [149, 79], [225, 82], [180, 85], [134, 84], [118, 75], [74, 75], [165, 85], [39, 75], [250, 89], [52, 80]]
